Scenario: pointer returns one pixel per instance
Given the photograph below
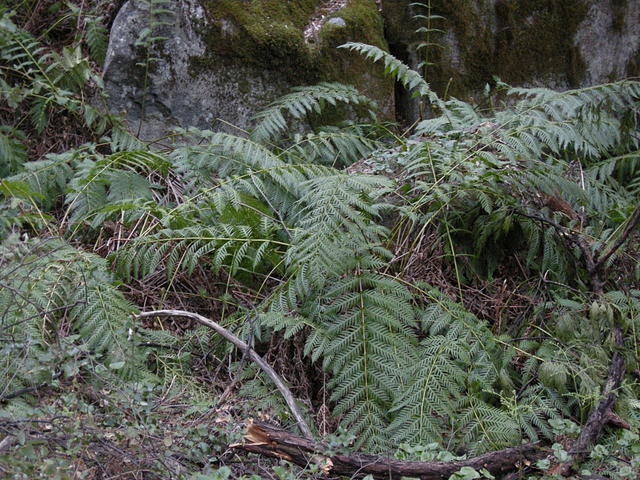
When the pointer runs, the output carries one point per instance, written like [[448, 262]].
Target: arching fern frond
[[301, 102], [100, 184], [334, 147], [229, 246], [47, 283], [411, 79]]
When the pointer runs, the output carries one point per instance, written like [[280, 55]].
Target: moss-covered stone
[[465, 62], [523, 42], [265, 33], [363, 22], [365, 25], [619, 9], [633, 67], [269, 35], [531, 42], [535, 40]]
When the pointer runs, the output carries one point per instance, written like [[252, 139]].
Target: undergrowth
[[431, 288]]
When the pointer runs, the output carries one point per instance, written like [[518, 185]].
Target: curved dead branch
[[257, 359]]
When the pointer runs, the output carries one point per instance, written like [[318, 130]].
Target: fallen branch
[[596, 265], [601, 414], [271, 441], [257, 359]]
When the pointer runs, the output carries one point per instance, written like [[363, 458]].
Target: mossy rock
[[535, 39], [269, 34], [522, 43], [266, 33], [364, 24], [224, 60]]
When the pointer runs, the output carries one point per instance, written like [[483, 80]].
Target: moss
[[619, 10], [474, 48], [269, 34], [532, 40], [266, 33], [633, 67], [535, 39], [363, 24], [258, 15]]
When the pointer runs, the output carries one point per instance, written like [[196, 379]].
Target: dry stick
[[257, 359]]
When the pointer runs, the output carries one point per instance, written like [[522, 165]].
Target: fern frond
[[45, 283], [97, 38], [107, 181], [335, 147], [230, 246], [12, 150], [411, 79], [302, 101]]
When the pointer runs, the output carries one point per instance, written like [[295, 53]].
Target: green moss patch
[[269, 35], [532, 39], [535, 39]]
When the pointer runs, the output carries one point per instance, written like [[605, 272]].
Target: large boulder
[[223, 60], [557, 44], [214, 63]]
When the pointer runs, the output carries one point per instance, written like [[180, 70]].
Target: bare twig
[[257, 359]]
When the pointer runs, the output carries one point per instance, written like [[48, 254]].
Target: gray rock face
[[194, 78], [609, 45], [164, 93]]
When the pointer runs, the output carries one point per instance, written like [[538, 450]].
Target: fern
[[300, 103], [106, 186], [12, 150], [55, 283], [326, 255], [46, 80], [334, 147], [227, 246], [409, 78], [97, 38], [435, 383]]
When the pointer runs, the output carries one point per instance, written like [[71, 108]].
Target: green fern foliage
[[302, 102], [48, 286], [53, 78], [12, 150], [411, 79], [433, 278]]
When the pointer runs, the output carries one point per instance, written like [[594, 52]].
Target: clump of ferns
[[53, 88], [314, 243]]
